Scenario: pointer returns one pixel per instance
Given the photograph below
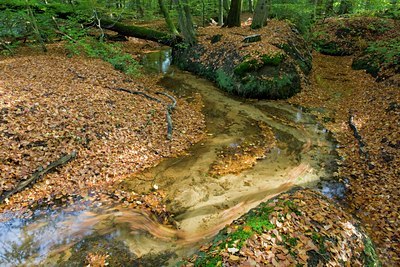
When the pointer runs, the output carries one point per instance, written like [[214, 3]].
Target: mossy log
[[141, 32]]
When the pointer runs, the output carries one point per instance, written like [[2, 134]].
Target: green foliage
[[387, 51], [300, 13], [111, 53], [369, 254], [379, 55], [224, 80], [260, 224]]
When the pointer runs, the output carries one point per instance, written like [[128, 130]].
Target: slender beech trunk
[[251, 6], [221, 13], [170, 24], [260, 14], [185, 21]]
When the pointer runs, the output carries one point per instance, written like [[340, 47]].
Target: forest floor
[[52, 105], [371, 164]]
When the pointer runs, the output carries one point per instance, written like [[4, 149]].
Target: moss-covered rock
[[271, 68], [298, 228]]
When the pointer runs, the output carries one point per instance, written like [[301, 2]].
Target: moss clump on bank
[[381, 59], [299, 228], [269, 68]]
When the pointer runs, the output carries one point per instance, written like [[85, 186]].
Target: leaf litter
[[51, 105]]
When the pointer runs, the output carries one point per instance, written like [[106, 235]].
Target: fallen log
[[142, 32], [38, 174]]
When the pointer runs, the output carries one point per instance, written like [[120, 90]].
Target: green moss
[[369, 254], [260, 225], [238, 238], [207, 260], [272, 60], [224, 81], [246, 66]]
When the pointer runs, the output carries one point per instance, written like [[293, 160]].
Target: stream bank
[[338, 92], [300, 152]]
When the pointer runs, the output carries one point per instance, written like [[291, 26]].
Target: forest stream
[[202, 201]]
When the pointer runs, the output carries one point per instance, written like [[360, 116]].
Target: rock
[[216, 38], [252, 38], [274, 71]]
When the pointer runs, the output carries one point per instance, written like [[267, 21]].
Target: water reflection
[[158, 61]]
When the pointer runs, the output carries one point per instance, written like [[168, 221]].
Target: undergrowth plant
[[78, 41]]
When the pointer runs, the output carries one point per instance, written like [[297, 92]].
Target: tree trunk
[[251, 6], [260, 15], [329, 8], [141, 32], [345, 7], [170, 24], [226, 5], [35, 28], [221, 13], [233, 19], [185, 21]]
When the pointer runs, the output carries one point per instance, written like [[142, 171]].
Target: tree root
[[169, 107], [38, 174], [361, 144]]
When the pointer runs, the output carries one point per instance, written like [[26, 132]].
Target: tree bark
[[142, 33], [185, 22], [221, 13], [251, 6], [260, 15], [170, 24], [329, 8], [233, 19]]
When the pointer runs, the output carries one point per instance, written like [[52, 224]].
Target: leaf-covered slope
[[336, 93], [51, 105], [298, 228]]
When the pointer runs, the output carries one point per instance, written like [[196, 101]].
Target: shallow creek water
[[202, 203]]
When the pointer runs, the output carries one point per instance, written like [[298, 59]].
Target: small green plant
[[259, 225], [224, 80], [111, 53]]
